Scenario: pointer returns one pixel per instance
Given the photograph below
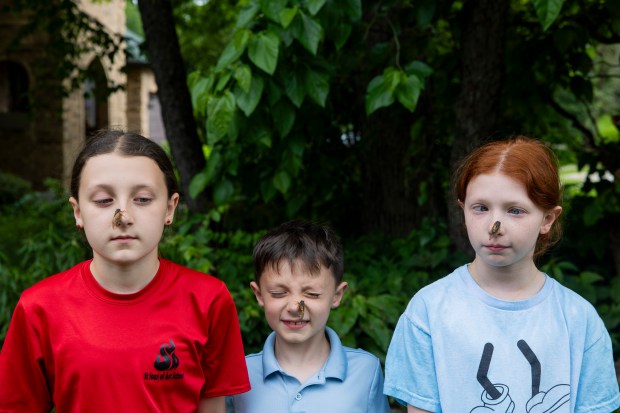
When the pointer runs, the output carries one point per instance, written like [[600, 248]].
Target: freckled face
[[136, 186], [497, 197], [281, 291]]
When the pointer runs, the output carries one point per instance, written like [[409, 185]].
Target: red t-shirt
[[77, 346]]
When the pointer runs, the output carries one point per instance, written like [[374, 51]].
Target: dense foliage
[[39, 239]]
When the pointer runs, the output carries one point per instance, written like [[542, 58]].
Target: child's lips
[[122, 238], [496, 247], [295, 324]]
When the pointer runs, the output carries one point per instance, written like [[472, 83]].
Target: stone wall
[[44, 141]]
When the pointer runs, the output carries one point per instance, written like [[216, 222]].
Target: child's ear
[[256, 290], [76, 212], [549, 218], [173, 202], [340, 289]]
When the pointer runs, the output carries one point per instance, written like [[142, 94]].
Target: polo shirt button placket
[[298, 396]]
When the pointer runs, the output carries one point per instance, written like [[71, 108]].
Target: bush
[[39, 239], [12, 188]]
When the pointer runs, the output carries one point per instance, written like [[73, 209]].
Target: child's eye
[[479, 208], [103, 202], [516, 211], [313, 295], [142, 200], [277, 294]]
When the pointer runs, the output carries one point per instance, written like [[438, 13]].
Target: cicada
[[301, 307], [495, 229], [117, 218]]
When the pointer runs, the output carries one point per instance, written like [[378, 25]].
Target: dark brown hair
[[313, 245], [525, 160], [124, 143]]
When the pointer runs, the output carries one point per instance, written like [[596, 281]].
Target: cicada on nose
[[301, 307], [495, 229]]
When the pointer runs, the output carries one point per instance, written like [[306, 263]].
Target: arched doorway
[[96, 114]]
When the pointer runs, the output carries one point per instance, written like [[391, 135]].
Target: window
[[14, 87]]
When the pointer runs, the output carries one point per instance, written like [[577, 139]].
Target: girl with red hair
[[497, 334]]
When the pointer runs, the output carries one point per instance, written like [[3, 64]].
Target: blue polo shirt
[[350, 381]]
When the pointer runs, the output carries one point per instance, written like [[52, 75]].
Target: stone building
[[40, 140]]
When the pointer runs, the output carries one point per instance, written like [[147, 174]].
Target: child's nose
[[122, 217], [297, 307], [495, 228]]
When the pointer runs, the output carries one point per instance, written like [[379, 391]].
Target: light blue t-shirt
[[351, 381], [456, 349]]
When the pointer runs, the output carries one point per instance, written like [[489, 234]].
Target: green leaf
[[340, 34], [267, 190], [246, 14], [223, 192], [234, 49], [380, 92], [272, 8], [223, 81], [198, 184], [283, 117], [287, 15], [408, 92], [314, 6], [243, 76], [310, 33], [387, 307], [282, 181], [295, 89], [547, 11], [592, 213], [343, 319], [377, 330], [426, 11], [317, 86], [219, 116], [199, 88], [214, 165], [418, 68], [351, 8], [263, 51], [247, 102]]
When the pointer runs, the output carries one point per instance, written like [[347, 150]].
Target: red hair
[[525, 160]]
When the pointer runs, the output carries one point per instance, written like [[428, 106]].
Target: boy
[[303, 366]]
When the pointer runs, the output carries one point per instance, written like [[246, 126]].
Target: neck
[[123, 279], [302, 360], [512, 283]]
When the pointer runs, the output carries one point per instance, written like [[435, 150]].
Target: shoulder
[[575, 310], [53, 287], [356, 358], [361, 357], [186, 275], [445, 290]]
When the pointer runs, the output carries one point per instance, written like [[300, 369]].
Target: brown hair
[[314, 245], [124, 143], [525, 160]]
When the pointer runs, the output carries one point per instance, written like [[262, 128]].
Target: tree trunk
[[164, 54], [388, 204], [482, 69]]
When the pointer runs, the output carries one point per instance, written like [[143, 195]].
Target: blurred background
[[347, 112]]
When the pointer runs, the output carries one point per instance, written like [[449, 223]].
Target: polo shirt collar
[[334, 367]]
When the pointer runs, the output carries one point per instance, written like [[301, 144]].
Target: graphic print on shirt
[[165, 362], [496, 396]]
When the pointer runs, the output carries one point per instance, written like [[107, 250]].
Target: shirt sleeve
[[22, 368], [598, 385], [377, 401], [410, 374], [223, 357]]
